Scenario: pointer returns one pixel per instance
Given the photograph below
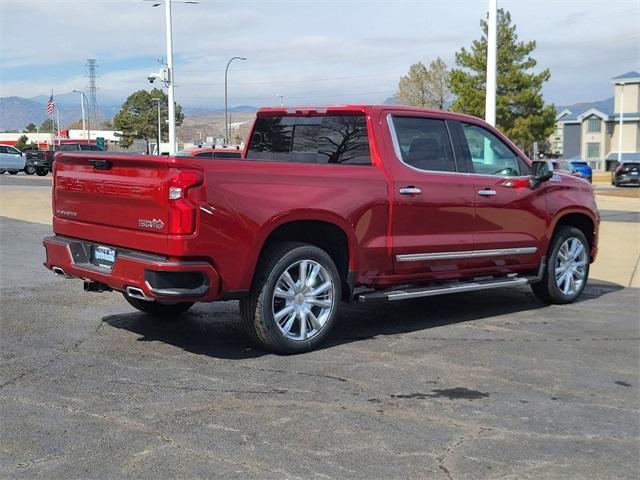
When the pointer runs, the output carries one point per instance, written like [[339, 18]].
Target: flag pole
[[53, 128], [58, 119]]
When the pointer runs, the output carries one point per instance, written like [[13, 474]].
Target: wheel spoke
[[319, 290], [313, 275], [315, 323], [303, 325], [286, 277], [286, 328], [282, 294], [282, 313], [320, 303], [302, 278], [578, 250], [566, 283]]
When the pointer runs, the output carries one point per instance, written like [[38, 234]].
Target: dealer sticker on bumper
[[103, 256]]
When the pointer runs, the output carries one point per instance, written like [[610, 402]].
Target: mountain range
[[17, 112]]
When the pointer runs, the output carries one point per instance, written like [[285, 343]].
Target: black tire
[[13, 172], [257, 309], [158, 309], [548, 289], [29, 170], [1, 172], [41, 172]]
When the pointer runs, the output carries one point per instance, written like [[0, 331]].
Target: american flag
[[50, 105]]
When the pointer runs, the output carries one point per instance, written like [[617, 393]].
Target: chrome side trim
[[417, 257]]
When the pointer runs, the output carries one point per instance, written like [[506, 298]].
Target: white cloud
[[322, 51]]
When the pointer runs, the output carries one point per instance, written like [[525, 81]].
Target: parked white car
[[11, 160]]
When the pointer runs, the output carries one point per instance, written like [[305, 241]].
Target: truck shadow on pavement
[[213, 329]]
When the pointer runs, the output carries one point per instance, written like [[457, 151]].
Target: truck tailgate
[[121, 199], [118, 191]]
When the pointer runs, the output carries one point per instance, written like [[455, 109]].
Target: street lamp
[[281, 99], [490, 95], [621, 122], [158, 100], [169, 78], [83, 98], [200, 137], [226, 121]]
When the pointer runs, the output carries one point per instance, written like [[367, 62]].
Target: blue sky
[[311, 52]]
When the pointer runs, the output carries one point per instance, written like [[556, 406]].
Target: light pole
[[490, 95], [621, 124], [281, 99], [83, 97], [158, 100], [170, 79], [226, 121]]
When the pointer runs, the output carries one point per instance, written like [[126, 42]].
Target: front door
[[433, 211], [510, 216]]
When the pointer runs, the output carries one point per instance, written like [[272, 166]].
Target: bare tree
[[425, 87]]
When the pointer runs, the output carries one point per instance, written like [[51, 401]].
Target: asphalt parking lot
[[468, 386]]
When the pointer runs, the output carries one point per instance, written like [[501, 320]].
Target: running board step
[[457, 287]]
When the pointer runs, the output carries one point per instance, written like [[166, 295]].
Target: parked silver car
[[11, 160]]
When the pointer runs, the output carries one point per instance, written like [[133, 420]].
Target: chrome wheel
[[571, 266], [303, 300]]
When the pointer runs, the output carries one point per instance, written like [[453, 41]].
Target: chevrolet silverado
[[359, 202]]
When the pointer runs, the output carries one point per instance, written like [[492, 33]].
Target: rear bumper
[[635, 180], [159, 278], [38, 163]]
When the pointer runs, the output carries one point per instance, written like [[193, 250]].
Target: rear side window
[[340, 139], [93, 148], [628, 167], [424, 143], [235, 155]]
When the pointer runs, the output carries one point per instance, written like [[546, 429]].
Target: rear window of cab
[[336, 139]]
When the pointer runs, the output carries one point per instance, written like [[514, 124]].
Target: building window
[[593, 151], [610, 128], [593, 125]]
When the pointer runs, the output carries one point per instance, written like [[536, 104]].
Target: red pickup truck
[[367, 203]]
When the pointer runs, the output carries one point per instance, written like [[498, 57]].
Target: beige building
[[591, 131]]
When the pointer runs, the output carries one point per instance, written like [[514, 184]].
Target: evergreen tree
[[520, 109]]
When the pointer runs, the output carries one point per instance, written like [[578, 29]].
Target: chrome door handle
[[487, 192], [410, 191]]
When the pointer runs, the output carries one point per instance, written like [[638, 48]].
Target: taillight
[[182, 193]]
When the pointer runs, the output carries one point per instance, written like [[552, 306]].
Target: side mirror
[[542, 170]]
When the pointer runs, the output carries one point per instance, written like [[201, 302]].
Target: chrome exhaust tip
[[135, 292], [60, 272]]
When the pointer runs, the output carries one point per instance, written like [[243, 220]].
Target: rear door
[[433, 211], [510, 224]]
